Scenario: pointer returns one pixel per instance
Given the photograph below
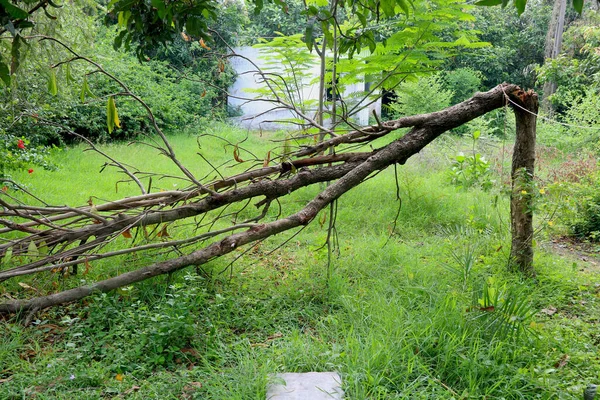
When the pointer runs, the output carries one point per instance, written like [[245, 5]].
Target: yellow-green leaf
[[85, 90], [52, 87], [32, 250], [112, 117], [116, 117], [7, 256], [110, 120], [68, 75], [43, 249]]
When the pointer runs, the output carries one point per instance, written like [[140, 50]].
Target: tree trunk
[[553, 46], [522, 195]]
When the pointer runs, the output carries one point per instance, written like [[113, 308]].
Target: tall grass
[[425, 310]]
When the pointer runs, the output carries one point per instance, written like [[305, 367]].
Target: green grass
[[399, 317]]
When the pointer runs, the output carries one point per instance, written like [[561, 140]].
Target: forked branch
[[58, 228]]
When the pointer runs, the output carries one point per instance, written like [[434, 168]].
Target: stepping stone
[[306, 386]]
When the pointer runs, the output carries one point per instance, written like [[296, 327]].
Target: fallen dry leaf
[[190, 351], [131, 390], [548, 311], [26, 286], [275, 336], [562, 362]]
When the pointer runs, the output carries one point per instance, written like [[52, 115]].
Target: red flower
[[21, 144], [30, 170]]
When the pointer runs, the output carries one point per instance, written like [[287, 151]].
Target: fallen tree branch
[[351, 170]]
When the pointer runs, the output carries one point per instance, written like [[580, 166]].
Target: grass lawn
[[423, 311]]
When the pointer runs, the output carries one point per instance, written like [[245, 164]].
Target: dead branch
[[57, 228]]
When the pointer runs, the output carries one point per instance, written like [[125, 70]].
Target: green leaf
[[15, 54], [488, 2], [14, 11], [476, 135], [85, 89], [52, 86], [195, 26], [327, 33], [308, 35], [520, 4], [462, 41], [388, 7], [123, 18], [578, 5], [32, 250], [7, 256], [404, 6], [4, 73], [68, 75], [43, 249], [112, 116], [258, 5], [110, 119], [160, 8], [361, 18]]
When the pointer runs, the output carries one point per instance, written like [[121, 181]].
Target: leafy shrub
[[175, 102], [470, 170], [588, 225], [584, 117], [463, 82], [35, 112], [421, 96]]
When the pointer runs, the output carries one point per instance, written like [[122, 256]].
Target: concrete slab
[[306, 386]]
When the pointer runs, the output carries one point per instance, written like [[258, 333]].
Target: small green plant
[[420, 96], [139, 335], [504, 312], [587, 225], [462, 82], [471, 170]]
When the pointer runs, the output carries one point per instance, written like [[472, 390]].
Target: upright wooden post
[[521, 201]]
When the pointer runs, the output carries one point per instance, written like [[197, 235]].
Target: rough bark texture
[[553, 46], [353, 168], [521, 203]]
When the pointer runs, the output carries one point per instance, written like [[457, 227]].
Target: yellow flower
[[550, 223], [523, 192], [542, 191]]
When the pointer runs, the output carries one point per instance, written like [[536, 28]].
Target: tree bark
[[553, 46], [522, 194]]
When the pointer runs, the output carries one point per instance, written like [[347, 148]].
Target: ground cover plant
[[425, 310]]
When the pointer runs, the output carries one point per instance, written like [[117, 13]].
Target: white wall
[[258, 114]]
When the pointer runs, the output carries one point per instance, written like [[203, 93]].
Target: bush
[[421, 96], [463, 82], [175, 102], [588, 225], [32, 112]]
